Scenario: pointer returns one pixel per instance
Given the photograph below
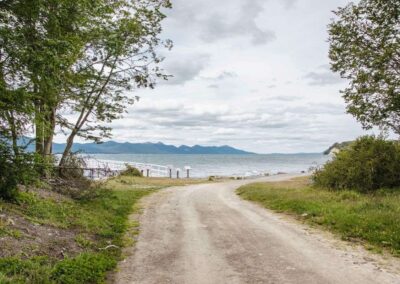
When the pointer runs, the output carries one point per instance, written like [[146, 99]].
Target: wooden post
[[188, 168], [170, 167], [177, 173], [148, 172]]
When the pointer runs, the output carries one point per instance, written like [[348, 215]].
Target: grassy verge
[[49, 238], [372, 219]]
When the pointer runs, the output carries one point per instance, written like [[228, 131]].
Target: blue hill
[[113, 147]]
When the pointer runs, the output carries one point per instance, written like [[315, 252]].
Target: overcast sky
[[253, 74]]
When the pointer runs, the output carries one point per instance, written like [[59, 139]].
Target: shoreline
[[225, 166]]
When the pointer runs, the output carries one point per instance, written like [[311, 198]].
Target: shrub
[[8, 174], [85, 268], [15, 170], [17, 271], [368, 164], [73, 167], [131, 171]]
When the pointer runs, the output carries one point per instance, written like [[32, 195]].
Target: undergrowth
[[103, 218]]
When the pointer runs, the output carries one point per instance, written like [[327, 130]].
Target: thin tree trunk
[[48, 140], [13, 130], [68, 147], [85, 114], [39, 128]]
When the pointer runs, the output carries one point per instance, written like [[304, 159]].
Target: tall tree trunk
[[13, 132], [68, 147], [87, 108], [50, 125], [48, 139], [39, 127]]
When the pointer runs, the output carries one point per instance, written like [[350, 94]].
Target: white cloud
[[246, 74], [184, 68]]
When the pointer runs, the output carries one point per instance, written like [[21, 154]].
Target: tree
[[120, 55], [81, 57], [40, 41], [365, 49]]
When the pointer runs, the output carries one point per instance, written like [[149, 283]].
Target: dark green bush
[[15, 170], [370, 163], [8, 173], [131, 171], [85, 268]]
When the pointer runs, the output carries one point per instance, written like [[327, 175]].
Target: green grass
[[372, 219], [98, 222]]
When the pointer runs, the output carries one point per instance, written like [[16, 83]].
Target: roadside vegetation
[[370, 219], [47, 237], [368, 164], [356, 195]]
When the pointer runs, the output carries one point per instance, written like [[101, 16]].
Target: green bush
[[370, 163], [20, 271], [8, 174], [15, 170], [85, 268], [131, 171]]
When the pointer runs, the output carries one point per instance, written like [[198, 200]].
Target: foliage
[[131, 171], [369, 218], [8, 174], [121, 54], [15, 170], [370, 163], [365, 49], [84, 57], [85, 268], [40, 43]]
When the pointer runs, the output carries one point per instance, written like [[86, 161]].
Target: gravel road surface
[[206, 234]]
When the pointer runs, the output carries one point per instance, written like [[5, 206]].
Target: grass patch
[[371, 219], [98, 226]]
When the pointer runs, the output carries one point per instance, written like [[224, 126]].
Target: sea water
[[227, 165]]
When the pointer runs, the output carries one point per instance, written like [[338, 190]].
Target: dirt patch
[[78, 188], [26, 239], [49, 194]]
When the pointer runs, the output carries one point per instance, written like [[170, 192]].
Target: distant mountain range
[[113, 147]]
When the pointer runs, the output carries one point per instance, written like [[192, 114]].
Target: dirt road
[[207, 234]]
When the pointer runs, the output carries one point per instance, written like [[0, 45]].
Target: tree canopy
[[75, 58], [365, 49]]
